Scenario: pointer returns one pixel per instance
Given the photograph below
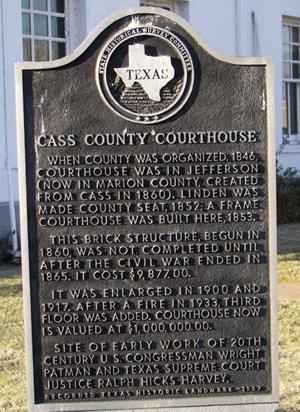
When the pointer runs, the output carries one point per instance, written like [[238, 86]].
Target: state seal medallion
[[145, 74]]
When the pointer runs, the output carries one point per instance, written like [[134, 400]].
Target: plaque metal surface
[[147, 182]]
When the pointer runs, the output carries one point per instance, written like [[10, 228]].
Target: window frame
[[289, 137], [49, 38]]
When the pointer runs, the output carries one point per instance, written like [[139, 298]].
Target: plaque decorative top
[[145, 74]]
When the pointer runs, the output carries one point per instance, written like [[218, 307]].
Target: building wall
[[75, 23], [2, 112], [269, 26], [10, 52], [214, 20], [250, 28], [96, 13], [264, 29]]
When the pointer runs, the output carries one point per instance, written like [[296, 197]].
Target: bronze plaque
[[147, 167]]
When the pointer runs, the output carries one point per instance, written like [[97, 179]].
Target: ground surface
[[12, 369]]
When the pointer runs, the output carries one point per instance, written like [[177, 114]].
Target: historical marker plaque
[[147, 180]]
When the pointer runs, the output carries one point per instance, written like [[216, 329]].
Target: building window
[[43, 26], [291, 81]]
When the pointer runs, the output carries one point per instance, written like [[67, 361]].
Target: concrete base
[[259, 407]]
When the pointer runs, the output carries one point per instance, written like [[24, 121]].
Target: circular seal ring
[[146, 95]]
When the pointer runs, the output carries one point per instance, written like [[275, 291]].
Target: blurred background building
[[36, 30]]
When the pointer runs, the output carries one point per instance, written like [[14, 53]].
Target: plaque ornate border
[[230, 403]]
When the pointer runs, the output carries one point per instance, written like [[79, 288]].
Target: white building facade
[[49, 29]]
